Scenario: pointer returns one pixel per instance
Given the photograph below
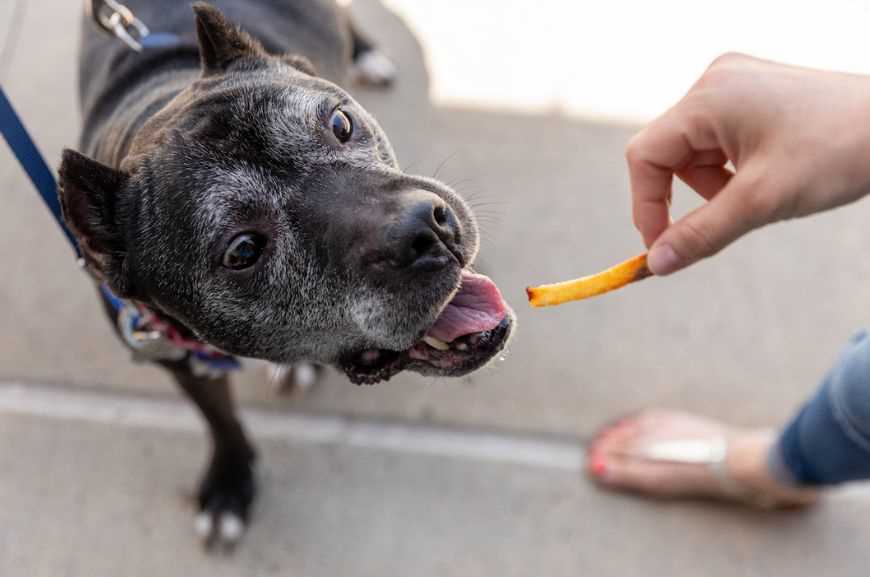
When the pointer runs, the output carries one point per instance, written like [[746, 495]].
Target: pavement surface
[[88, 493], [744, 337]]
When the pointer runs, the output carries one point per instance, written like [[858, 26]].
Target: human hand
[[798, 139]]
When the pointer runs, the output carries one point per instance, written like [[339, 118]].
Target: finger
[[666, 146], [651, 185], [707, 181], [705, 231], [713, 157]]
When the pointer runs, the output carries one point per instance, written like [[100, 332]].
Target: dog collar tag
[[146, 345]]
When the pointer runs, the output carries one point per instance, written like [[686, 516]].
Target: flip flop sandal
[[710, 453]]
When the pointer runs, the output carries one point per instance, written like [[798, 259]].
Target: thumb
[[706, 230]]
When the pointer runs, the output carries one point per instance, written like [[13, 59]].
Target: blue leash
[[43, 180], [32, 162], [160, 40], [31, 159]]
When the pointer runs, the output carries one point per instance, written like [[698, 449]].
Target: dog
[[231, 199]]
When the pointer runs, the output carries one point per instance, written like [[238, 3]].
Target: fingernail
[[662, 260]]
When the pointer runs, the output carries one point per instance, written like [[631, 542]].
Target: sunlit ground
[[618, 60]]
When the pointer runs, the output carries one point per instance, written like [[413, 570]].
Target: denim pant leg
[[828, 442]]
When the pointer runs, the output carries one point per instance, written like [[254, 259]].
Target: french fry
[[630, 271]]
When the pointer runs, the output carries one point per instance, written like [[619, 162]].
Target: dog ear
[[220, 41], [89, 197]]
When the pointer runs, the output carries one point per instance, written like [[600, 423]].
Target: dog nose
[[425, 233]]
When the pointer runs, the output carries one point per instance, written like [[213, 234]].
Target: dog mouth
[[474, 326]]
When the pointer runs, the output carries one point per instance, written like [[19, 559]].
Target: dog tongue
[[477, 307]]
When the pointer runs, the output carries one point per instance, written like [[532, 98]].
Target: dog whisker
[[444, 163], [408, 168], [466, 185]]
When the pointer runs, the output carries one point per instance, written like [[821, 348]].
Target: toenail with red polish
[[598, 466]]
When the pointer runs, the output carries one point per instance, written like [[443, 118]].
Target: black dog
[[236, 202]]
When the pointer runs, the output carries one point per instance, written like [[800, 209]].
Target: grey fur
[[240, 142], [193, 144]]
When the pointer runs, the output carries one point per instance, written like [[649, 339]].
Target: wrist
[[856, 149]]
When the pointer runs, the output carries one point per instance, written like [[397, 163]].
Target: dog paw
[[225, 498], [226, 533], [374, 68], [294, 380]]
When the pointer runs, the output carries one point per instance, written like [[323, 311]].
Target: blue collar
[[153, 338]]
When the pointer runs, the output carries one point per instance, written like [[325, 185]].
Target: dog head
[[263, 209]]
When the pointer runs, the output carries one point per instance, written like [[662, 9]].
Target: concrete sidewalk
[[81, 498], [744, 337]]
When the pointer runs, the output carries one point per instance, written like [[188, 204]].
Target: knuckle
[[695, 119], [721, 70], [633, 150], [726, 60]]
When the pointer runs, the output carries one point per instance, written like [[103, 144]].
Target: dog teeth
[[436, 343], [461, 346]]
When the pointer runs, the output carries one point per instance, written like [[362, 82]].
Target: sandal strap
[[687, 451], [711, 453]]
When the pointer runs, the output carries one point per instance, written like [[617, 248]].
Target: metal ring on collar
[[118, 20]]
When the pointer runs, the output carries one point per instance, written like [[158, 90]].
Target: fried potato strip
[[586, 287]]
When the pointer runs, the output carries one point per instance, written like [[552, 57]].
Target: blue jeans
[[828, 442]]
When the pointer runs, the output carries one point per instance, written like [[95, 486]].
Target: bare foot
[[620, 458]]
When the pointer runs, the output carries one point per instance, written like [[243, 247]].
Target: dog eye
[[243, 252], [341, 124]]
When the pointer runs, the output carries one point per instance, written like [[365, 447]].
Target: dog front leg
[[227, 488], [371, 66]]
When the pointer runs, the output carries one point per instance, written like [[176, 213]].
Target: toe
[[628, 475], [374, 68], [304, 375], [231, 529], [203, 525], [615, 457], [294, 380], [620, 458]]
